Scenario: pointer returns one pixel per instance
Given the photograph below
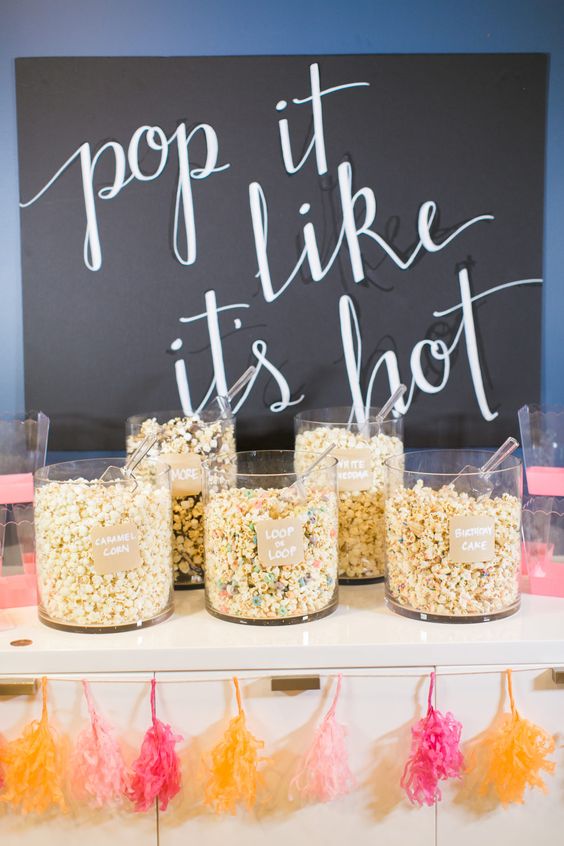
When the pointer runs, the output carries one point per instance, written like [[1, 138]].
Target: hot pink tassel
[[324, 773], [98, 768], [435, 754], [156, 772]]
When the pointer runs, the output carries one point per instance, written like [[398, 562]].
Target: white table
[[385, 661]]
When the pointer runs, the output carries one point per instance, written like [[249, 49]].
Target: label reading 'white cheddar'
[[354, 470], [185, 472], [472, 538], [280, 542], [115, 548]]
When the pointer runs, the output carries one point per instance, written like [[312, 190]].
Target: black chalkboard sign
[[343, 222]]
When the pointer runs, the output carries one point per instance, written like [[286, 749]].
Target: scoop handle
[[317, 461], [299, 483], [137, 457], [507, 447], [388, 406], [225, 401]]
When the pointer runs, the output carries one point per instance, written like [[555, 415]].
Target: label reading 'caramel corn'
[[280, 542], [472, 538], [115, 548], [354, 471], [185, 472]]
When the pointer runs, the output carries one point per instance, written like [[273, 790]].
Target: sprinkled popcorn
[[71, 592], [239, 585], [422, 578], [361, 512], [196, 436]]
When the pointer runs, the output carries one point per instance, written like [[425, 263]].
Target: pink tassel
[[435, 754], [98, 768], [156, 772], [324, 773]]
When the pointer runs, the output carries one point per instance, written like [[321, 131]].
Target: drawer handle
[[18, 687], [294, 684], [558, 675]]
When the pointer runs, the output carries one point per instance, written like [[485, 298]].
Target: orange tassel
[[32, 767], [234, 776], [511, 756], [2, 754]]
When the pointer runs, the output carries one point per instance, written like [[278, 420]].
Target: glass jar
[[271, 541], [453, 548], [103, 549], [185, 441], [361, 480]]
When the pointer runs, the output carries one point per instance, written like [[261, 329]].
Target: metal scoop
[[125, 473], [475, 480], [224, 401]]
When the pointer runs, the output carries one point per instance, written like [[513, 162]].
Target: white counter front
[[361, 633]]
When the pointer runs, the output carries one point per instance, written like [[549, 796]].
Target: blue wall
[[195, 27]]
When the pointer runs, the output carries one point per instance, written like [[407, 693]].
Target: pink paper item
[[545, 481], [17, 591], [16, 487], [543, 545], [546, 576]]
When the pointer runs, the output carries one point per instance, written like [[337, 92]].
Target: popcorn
[[71, 591], [361, 512], [197, 436], [421, 574], [239, 585]]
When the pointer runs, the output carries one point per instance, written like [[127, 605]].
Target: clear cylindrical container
[[361, 479], [453, 540], [103, 548], [186, 441], [271, 540]]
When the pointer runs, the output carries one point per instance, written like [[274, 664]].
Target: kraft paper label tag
[[280, 542], [115, 548], [185, 472], [354, 470], [472, 538]]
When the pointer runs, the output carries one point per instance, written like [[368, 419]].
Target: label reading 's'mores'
[[185, 473]]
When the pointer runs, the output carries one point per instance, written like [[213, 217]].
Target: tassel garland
[[156, 772], [234, 777], [32, 767], [98, 769], [511, 756], [324, 773]]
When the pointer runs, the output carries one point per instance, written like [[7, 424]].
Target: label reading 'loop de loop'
[[115, 548], [472, 538], [185, 473], [280, 542], [354, 470]]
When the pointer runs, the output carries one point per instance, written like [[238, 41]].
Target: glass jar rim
[[397, 462], [207, 415], [311, 415], [42, 473], [328, 463]]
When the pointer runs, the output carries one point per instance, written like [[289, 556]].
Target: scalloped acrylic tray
[[543, 546]]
